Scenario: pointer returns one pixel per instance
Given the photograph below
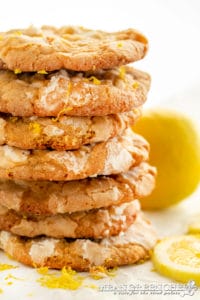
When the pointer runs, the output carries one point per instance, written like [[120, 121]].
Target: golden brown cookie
[[126, 248], [67, 133], [96, 223], [112, 157], [73, 94], [46, 198], [75, 48]]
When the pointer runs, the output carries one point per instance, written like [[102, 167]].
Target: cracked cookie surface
[[45, 198], [96, 223], [66, 133], [126, 248], [116, 155], [70, 47], [74, 94]]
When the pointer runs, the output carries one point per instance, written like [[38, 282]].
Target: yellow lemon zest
[[17, 71], [1, 291], [61, 112], [42, 72], [1, 37], [100, 272], [4, 267], [35, 128], [119, 45], [122, 72], [94, 80], [68, 279], [9, 283], [135, 85], [18, 32], [91, 286], [66, 108], [43, 270], [69, 89], [10, 276]]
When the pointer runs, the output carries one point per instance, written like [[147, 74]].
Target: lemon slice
[[194, 226], [178, 257]]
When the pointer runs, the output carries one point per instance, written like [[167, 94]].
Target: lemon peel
[[42, 270], [17, 71], [4, 267], [35, 128], [94, 80], [100, 272], [178, 257], [43, 72], [174, 151], [135, 85], [65, 108], [122, 72], [68, 279], [119, 45]]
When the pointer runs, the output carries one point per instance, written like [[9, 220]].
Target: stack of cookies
[[71, 168]]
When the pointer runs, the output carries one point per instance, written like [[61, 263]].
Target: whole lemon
[[175, 151]]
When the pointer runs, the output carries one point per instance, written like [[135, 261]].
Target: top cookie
[[75, 48]]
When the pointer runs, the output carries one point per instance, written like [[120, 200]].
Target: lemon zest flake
[[69, 89], [1, 291], [135, 85], [18, 32], [100, 272], [119, 45], [43, 72], [65, 108], [35, 128], [4, 267], [42, 270], [94, 80], [68, 279], [10, 276], [17, 71], [122, 72], [61, 112]]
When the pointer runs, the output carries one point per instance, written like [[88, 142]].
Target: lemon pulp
[[178, 258]]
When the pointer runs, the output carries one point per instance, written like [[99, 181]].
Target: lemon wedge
[[178, 258], [194, 226]]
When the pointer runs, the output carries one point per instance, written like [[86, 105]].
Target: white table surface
[[173, 61]]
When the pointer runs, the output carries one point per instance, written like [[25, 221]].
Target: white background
[[172, 27]]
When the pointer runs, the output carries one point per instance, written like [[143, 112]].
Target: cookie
[[128, 247], [67, 133], [44, 198], [96, 223], [75, 48], [73, 94], [111, 157]]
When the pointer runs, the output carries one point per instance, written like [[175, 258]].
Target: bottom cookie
[[128, 247]]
